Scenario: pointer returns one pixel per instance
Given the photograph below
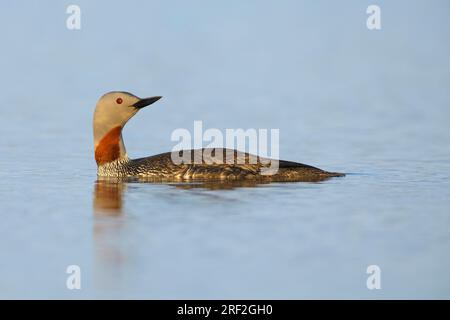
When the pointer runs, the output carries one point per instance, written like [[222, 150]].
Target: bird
[[114, 109]]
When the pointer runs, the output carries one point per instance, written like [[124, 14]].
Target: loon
[[114, 109]]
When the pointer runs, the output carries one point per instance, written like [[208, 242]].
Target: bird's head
[[112, 112]]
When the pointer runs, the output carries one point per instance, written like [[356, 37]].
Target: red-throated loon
[[114, 109]]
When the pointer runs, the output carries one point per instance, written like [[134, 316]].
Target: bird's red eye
[[119, 100]]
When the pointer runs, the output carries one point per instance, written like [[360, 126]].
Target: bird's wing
[[212, 163]]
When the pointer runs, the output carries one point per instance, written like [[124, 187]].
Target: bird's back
[[222, 164]]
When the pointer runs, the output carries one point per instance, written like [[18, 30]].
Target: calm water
[[373, 104]]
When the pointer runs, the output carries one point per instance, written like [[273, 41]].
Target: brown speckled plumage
[[161, 167]]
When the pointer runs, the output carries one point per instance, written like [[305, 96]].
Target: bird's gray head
[[112, 112]]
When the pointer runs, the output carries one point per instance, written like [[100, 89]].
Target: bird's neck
[[109, 146]]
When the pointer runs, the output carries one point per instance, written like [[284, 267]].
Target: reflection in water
[[217, 185], [108, 191], [110, 255], [113, 254], [108, 197]]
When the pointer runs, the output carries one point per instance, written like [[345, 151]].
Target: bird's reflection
[[112, 252], [110, 255], [108, 192], [108, 197]]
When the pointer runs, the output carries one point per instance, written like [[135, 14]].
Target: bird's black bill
[[146, 102]]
